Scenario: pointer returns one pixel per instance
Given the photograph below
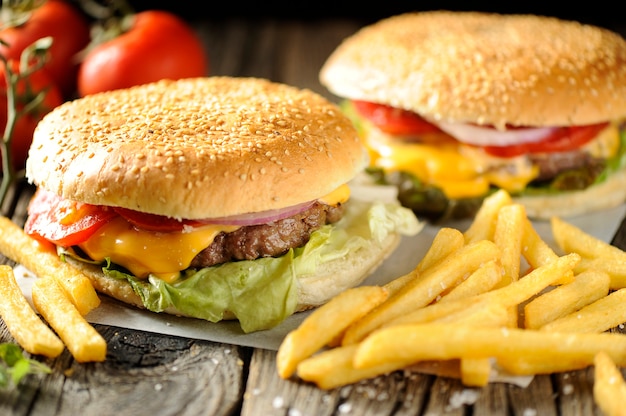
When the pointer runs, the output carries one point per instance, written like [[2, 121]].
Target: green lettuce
[[262, 293]]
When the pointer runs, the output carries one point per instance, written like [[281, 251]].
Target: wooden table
[[152, 374]]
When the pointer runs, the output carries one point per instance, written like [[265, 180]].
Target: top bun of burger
[[531, 104], [485, 68], [175, 148], [214, 198]]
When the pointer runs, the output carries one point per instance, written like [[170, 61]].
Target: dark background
[[602, 13]]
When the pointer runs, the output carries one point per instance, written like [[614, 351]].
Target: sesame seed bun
[[174, 148], [484, 68]]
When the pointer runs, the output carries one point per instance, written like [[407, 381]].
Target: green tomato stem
[[32, 59]]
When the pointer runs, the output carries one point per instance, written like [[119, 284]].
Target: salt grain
[[278, 402], [463, 397], [568, 389]]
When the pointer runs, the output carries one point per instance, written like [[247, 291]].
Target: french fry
[[333, 368], [609, 387], [572, 239], [599, 316], [527, 365], [472, 311], [475, 371], [537, 252], [586, 288], [458, 308], [420, 292], [30, 332], [489, 314], [437, 311], [413, 343], [480, 281], [615, 268], [81, 339], [323, 325], [445, 242], [508, 237], [19, 247], [484, 224], [535, 281]]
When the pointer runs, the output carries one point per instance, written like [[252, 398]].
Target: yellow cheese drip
[[143, 252], [443, 166], [338, 196]]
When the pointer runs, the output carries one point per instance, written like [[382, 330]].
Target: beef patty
[[267, 240], [551, 164]]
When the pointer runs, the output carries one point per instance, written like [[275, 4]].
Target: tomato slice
[[563, 139], [394, 120], [153, 222], [62, 221]]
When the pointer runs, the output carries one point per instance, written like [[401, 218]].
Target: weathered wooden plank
[[146, 373]]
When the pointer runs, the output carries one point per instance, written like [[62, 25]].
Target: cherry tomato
[[63, 222], [70, 32], [563, 139], [153, 222], [158, 45], [25, 125], [393, 120]]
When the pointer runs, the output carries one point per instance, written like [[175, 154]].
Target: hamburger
[[455, 105], [214, 198]]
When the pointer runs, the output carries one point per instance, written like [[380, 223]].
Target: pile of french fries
[[61, 295], [495, 299]]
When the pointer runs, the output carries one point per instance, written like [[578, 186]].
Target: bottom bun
[[605, 195], [313, 290], [335, 277]]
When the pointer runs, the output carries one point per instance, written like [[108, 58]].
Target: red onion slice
[[489, 136], [263, 217]]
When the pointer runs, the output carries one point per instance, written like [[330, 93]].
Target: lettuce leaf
[[618, 161], [262, 293]]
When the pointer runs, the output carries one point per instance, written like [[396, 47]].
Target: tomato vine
[[32, 59]]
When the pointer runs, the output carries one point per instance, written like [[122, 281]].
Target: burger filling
[[445, 170], [207, 268], [147, 244]]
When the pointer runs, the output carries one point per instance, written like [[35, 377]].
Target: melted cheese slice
[[143, 252], [457, 174], [338, 196], [163, 254]]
